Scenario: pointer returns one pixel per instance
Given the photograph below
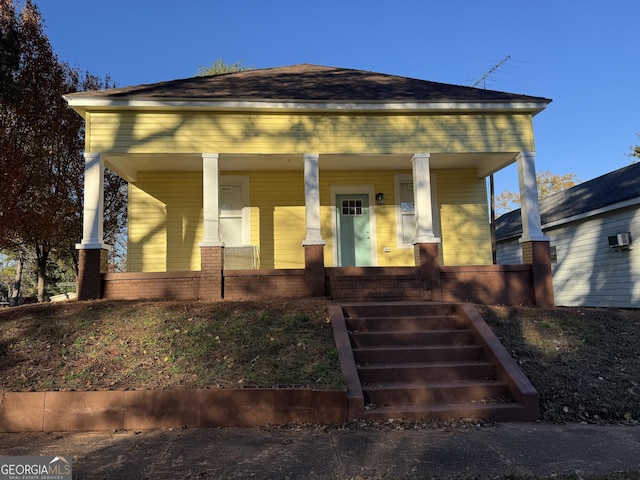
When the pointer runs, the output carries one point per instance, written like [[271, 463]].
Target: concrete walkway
[[359, 453]]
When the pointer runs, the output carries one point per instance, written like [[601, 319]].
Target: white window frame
[[244, 182], [399, 179]]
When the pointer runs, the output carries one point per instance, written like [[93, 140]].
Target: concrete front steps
[[427, 360]]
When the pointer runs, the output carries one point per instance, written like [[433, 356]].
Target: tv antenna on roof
[[483, 80], [492, 213]]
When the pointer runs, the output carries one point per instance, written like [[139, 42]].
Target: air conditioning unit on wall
[[620, 240]]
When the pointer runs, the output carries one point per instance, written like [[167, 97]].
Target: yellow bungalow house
[[310, 180]]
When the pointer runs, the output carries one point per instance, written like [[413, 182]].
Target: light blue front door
[[354, 239]]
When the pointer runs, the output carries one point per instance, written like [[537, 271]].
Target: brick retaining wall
[[152, 409]]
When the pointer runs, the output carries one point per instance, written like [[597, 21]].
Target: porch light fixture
[[380, 199]]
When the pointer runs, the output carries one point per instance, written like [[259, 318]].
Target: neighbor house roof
[[307, 83], [601, 192]]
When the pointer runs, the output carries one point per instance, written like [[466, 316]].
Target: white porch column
[[530, 207], [93, 205], [422, 199], [210, 200], [312, 199]]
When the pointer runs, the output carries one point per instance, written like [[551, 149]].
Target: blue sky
[[584, 55]]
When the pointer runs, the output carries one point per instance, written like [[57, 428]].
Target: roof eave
[[84, 104]]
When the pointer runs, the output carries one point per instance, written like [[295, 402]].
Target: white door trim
[[352, 190]]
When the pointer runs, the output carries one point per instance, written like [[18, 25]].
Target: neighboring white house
[[592, 227]]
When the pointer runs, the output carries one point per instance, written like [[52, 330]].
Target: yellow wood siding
[[165, 222], [464, 218], [277, 200], [195, 132], [165, 218]]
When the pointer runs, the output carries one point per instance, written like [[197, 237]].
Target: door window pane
[[351, 207]]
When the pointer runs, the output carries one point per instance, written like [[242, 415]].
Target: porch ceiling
[[128, 165]]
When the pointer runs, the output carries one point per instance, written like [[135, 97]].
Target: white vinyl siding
[[509, 252], [587, 271]]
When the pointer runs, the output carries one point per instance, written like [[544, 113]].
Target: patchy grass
[[584, 362], [126, 345]]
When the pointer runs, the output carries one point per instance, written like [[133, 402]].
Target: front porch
[[426, 271]]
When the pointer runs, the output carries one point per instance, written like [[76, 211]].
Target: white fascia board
[[91, 103]]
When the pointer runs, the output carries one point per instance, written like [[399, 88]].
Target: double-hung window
[[406, 211], [234, 211]]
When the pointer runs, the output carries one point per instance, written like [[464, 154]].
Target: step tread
[[406, 338], [426, 371], [456, 331], [425, 365], [412, 353], [480, 404], [452, 384], [479, 409], [406, 324], [382, 348], [425, 318]]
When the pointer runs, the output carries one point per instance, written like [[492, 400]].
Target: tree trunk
[[14, 299], [43, 257]]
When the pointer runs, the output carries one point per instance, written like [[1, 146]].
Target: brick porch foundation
[[92, 263], [427, 258], [314, 275], [538, 255], [211, 266], [525, 284]]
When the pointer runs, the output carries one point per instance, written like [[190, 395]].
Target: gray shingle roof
[[310, 83], [608, 189]]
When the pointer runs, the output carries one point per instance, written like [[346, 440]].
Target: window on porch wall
[[234, 227], [406, 212], [231, 215]]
